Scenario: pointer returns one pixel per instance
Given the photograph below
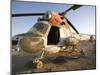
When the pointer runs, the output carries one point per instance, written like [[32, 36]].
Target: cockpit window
[[39, 28]]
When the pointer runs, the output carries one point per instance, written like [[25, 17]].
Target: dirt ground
[[22, 62]]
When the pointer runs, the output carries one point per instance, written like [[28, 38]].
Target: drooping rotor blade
[[27, 14], [74, 7], [72, 26]]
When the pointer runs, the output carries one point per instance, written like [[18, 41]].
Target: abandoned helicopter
[[51, 34]]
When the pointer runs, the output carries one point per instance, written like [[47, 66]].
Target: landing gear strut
[[38, 61]]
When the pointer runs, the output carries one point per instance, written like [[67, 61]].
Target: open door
[[53, 36]]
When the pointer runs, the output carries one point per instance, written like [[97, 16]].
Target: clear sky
[[83, 18]]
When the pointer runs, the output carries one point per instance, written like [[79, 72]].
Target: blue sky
[[83, 18]]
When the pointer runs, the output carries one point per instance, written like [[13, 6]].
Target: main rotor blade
[[74, 7], [27, 14], [72, 26]]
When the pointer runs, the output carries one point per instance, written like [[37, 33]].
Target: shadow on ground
[[22, 62]]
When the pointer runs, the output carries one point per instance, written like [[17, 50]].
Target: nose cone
[[31, 45]]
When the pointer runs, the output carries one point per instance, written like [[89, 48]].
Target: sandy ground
[[22, 62]]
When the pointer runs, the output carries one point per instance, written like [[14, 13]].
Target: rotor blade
[[74, 7], [27, 14], [72, 26]]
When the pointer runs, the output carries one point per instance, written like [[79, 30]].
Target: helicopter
[[50, 35]]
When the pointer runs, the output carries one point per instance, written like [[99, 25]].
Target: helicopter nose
[[31, 45]]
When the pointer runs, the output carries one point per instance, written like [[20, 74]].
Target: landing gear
[[38, 61]]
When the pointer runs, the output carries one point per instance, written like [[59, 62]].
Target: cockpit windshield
[[39, 28]]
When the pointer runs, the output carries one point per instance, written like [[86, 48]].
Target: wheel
[[38, 64]]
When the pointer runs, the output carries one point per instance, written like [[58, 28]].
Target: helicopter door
[[53, 36]]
